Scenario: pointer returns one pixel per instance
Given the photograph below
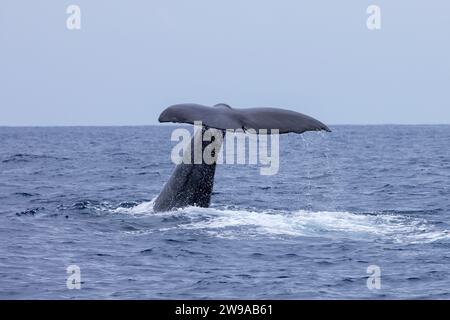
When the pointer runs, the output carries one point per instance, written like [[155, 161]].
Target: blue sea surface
[[341, 202]]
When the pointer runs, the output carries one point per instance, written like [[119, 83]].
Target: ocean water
[[341, 202]]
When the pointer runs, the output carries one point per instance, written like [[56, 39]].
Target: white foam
[[330, 224], [314, 224], [141, 209]]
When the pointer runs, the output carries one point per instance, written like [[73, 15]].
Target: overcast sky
[[131, 59]]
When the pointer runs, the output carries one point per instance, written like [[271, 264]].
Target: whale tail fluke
[[222, 116]]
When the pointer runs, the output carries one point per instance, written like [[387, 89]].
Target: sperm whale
[[191, 184]]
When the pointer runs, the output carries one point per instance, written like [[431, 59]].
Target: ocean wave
[[25, 157]]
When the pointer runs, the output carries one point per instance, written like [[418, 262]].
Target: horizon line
[[187, 124]]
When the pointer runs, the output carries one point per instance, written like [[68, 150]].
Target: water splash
[[235, 223]]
